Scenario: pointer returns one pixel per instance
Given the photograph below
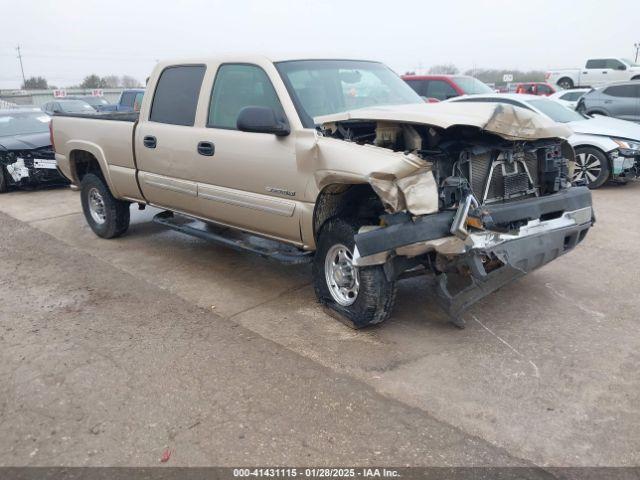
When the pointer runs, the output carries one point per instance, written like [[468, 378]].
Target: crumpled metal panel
[[507, 121], [417, 192]]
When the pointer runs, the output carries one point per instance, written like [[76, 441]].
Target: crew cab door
[[166, 140], [248, 180]]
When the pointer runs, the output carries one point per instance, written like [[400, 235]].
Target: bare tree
[[444, 69], [128, 81], [111, 81]]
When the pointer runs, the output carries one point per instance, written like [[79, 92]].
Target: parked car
[[67, 106], [620, 100], [26, 156], [534, 88], [569, 98], [94, 101], [443, 87], [340, 158], [606, 148], [597, 71], [130, 101]]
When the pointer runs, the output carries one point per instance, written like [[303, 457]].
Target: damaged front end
[[31, 167], [484, 205]]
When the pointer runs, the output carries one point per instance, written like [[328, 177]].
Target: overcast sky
[[65, 40]]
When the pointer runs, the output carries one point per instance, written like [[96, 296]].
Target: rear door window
[[237, 86], [596, 63], [418, 86], [176, 97], [127, 99], [440, 89], [625, 91]]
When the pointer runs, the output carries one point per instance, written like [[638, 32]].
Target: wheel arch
[[88, 158], [345, 200]]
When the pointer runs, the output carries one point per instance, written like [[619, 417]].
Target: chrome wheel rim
[[96, 206], [342, 276], [588, 167]]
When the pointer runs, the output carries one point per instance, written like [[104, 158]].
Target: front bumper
[[536, 244], [489, 259]]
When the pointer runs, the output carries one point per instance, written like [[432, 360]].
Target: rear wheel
[[565, 83], [357, 296], [592, 166], [4, 182], [107, 216]]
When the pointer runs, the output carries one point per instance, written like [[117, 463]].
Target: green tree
[[35, 83]]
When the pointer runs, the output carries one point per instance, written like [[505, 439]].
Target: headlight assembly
[[628, 145]]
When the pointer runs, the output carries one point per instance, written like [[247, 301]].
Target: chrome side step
[[234, 239]]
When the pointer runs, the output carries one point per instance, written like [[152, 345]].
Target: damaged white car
[[338, 163]]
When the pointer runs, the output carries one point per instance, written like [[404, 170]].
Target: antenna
[[24, 80]]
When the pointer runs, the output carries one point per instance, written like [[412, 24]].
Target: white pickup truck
[[597, 71]]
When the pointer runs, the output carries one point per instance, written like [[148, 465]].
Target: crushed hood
[[507, 121], [25, 142]]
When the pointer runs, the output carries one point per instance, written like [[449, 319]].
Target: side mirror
[[261, 120], [621, 67]]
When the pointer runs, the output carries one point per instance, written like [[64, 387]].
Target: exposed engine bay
[[477, 206], [466, 161]]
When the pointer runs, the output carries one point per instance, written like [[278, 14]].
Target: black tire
[[565, 83], [114, 213], [4, 182], [375, 295], [595, 176]]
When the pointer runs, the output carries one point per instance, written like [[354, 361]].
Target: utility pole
[[637, 45], [24, 80]]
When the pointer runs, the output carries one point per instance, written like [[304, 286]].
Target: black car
[[96, 102], [26, 154]]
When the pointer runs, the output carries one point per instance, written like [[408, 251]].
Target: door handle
[[206, 148], [604, 71], [149, 141]]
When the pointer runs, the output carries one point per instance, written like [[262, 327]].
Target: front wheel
[[357, 296], [592, 166], [107, 216]]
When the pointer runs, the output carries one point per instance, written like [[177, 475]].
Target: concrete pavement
[[546, 369]]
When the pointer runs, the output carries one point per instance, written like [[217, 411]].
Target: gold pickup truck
[[340, 164]]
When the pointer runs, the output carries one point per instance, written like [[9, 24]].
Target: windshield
[[472, 86], [322, 87], [556, 111], [23, 123], [633, 64]]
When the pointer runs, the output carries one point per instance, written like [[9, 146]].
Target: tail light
[[53, 145]]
